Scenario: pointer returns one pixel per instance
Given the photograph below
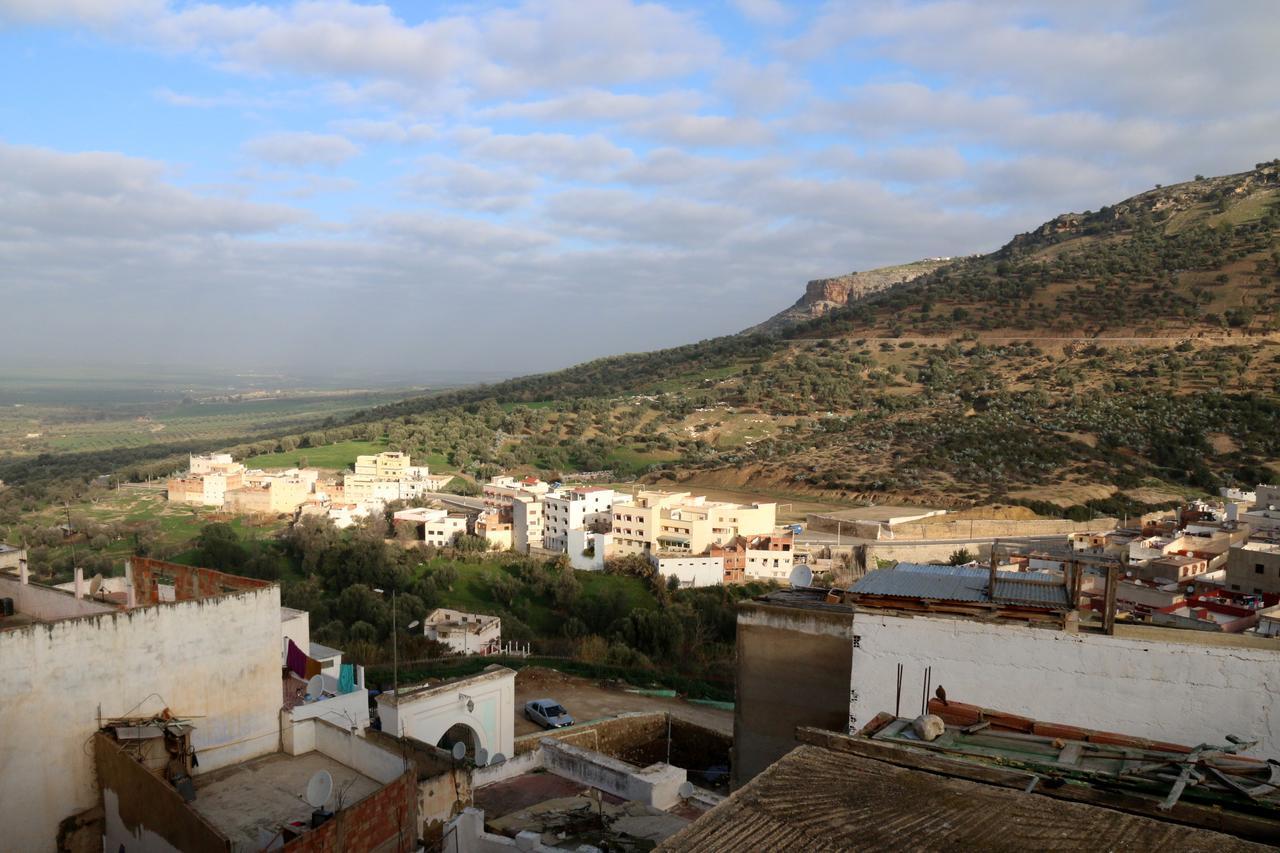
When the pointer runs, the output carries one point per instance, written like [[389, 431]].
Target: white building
[[576, 508], [464, 633], [689, 569]]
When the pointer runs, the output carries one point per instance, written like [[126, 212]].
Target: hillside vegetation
[[1130, 353]]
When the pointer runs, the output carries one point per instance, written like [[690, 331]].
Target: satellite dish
[[498, 758], [315, 686], [95, 584], [686, 790], [801, 576], [319, 788], [459, 751], [482, 756]]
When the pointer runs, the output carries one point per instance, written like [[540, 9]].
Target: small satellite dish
[[315, 686], [459, 751], [498, 758], [95, 584], [801, 576], [686, 790], [482, 757], [319, 789]]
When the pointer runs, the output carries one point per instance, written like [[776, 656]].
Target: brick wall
[[188, 582], [386, 820]]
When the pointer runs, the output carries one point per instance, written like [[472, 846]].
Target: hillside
[[1106, 359]]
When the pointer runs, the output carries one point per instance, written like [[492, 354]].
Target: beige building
[[389, 476], [679, 522], [271, 494], [496, 529], [1254, 568], [208, 480]]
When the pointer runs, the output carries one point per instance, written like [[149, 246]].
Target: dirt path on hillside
[[587, 700]]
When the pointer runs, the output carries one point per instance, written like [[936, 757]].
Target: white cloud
[[559, 155], [374, 130], [302, 148], [768, 12]]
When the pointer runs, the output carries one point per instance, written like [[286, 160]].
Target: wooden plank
[[1251, 827]]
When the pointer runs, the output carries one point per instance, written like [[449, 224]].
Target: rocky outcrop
[[826, 294]]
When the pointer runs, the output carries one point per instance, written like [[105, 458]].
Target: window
[[1258, 569]]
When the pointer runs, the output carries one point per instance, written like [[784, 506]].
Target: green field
[[333, 456], [27, 429], [471, 593], [631, 460]]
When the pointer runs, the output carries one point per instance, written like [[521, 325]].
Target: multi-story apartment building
[[679, 522], [577, 508], [389, 476], [748, 558], [526, 522]]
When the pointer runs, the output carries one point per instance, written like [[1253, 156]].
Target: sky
[[502, 188]]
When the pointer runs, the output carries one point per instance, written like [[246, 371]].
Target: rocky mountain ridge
[[827, 294]]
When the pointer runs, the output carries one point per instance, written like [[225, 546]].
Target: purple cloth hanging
[[296, 660]]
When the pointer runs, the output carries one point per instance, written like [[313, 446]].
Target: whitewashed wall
[[427, 715], [215, 659], [1178, 686]]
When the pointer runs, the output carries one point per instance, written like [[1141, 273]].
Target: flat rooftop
[[249, 802]]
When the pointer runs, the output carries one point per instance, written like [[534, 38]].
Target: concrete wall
[[1185, 687], [215, 659], [657, 785], [142, 811], [792, 667], [978, 528]]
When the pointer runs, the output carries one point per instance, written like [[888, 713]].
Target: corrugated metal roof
[[948, 583], [963, 583]]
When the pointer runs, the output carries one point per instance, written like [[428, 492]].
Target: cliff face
[[826, 294]]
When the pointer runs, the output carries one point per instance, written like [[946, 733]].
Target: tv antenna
[[801, 576], [319, 789]]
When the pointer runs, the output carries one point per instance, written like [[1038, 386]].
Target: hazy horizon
[[504, 188]]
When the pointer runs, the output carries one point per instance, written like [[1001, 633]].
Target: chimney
[[79, 582], [991, 582], [24, 574], [131, 600]]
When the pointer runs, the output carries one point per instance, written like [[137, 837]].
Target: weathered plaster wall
[[1179, 686], [657, 785], [215, 659], [792, 670]]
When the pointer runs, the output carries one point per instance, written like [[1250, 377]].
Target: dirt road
[[586, 700]]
